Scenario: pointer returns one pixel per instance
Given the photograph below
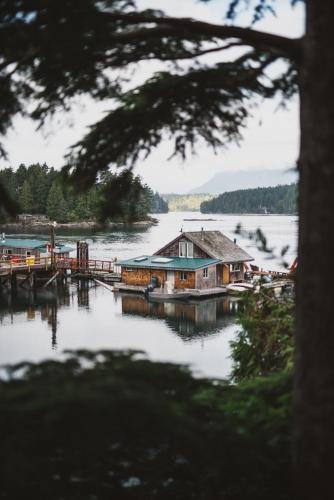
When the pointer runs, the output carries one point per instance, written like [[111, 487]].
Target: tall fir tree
[[26, 197], [56, 207]]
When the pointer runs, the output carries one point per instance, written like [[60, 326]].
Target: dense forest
[[40, 189], [185, 202], [271, 200]]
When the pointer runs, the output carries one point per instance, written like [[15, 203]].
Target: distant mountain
[[232, 181]]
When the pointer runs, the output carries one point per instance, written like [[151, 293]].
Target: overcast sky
[[270, 141]]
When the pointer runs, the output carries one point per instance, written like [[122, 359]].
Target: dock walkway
[[21, 266]]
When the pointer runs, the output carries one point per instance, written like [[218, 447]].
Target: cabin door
[[171, 278], [226, 274]]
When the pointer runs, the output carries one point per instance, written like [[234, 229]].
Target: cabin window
[[235, 268], [183, 249], [205, 272], [28, 253], [186, 249], [183, 276]]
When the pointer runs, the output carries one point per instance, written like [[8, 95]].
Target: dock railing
[[87, 266], [16, 262]]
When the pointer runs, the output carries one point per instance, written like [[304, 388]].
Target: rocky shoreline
[[92, 225]]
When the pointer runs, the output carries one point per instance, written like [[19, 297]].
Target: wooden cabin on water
[[203, 260]]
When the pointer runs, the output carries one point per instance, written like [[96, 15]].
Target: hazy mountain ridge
[[232, 181]]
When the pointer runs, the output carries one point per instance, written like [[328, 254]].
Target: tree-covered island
[[40, 189], [265, 200]]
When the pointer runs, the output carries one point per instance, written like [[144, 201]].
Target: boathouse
[[31, 247], [194, 260], [32, 218]]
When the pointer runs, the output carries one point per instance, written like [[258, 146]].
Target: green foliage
[[40, 189], [158, 204], [56, 207], [114, 425], [276, 200], [265, 344], [26, 198], [186, 202]]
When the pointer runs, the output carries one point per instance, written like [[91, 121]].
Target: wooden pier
[[30, 271]]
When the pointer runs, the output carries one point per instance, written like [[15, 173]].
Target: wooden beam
[[51, 280], [108, 287]]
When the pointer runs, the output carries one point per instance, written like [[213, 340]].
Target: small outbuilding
[[31, 247], [32, 218]]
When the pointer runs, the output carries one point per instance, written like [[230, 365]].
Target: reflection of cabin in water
[[194, 260], [187, 320]]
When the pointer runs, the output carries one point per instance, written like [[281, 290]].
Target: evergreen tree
[[56, 205], [26, 197]]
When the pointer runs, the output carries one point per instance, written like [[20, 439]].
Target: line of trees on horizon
[[40, 189], [280, 199]]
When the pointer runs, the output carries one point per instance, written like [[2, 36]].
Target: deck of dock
[[193, 292], [30, 269]]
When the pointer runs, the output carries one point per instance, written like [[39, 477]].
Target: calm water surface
[[39, 325]]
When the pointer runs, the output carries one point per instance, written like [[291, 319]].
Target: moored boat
[[161, 295], [239, 288]]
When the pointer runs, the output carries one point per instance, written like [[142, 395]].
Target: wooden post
[[52, 243], [82, 255]]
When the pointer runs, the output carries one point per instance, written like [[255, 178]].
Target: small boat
[[162, 295], [239, 288]]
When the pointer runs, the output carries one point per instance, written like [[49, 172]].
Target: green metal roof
[[32, 244], [22, 243], [171, 263]]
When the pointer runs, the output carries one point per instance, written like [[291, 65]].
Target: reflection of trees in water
[[189, 320], [43, 302]]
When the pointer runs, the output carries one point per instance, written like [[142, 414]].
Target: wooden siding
[[142, 277], [172, 250], [239, 275], [209, 282], [190, 282]]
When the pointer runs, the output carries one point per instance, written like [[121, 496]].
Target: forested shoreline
[[40, 189], [280, 199]]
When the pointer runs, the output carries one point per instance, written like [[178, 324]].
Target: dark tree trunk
[[314, 380]]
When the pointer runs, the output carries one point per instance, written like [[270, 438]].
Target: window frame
[[205, 272], [183, 275], [186, 249], [183, 246], [190, 254]]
